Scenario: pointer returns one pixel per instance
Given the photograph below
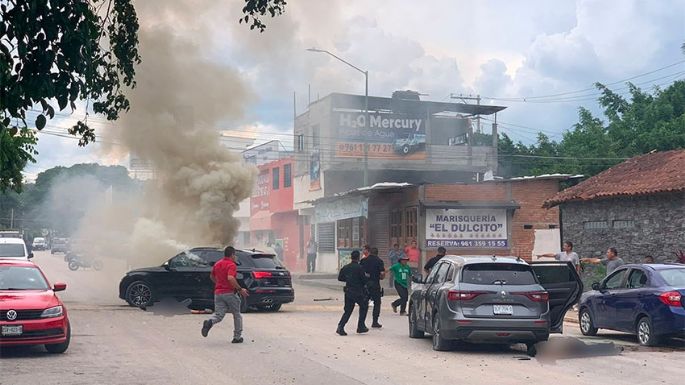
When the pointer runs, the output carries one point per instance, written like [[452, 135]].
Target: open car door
[[564, 286]]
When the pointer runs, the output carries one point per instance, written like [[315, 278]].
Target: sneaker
[[403, 313], [341, 332], [206, 325], [376, 325], [394, 308], [362, 330], [237, 340]]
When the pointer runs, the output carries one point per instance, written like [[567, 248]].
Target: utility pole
[[12, 218]]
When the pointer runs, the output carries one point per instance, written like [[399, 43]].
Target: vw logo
[[504, 293], [11, 315]]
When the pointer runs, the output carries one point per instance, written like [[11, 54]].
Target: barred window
[[624, 224], [411, 224], [326, 232], [396, 224], [595, 225]]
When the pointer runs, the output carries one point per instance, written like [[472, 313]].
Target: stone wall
[[659, 226]]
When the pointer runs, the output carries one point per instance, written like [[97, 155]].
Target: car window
[[614, 281], [432, 274], [266, 261], [554, 274], [637, 279], [21, 278], [12, 250], [212, 256], [673, 277], [187, 259], [498, 273], [441, 275]]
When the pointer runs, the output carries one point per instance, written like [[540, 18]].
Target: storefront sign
[[466, 228], [343, 208], [260, 196]]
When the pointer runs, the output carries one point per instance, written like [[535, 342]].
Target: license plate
[[503, 309], [13, 330]]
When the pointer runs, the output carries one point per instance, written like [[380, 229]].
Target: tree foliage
[[636, 125]]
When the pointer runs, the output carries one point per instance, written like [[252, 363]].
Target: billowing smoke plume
[[181, 99]]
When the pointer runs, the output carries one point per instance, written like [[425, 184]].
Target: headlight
[[52, 312]]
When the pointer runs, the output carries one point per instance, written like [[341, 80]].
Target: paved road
[[116, 344]]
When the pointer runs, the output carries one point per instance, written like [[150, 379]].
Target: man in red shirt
[[227, 292]]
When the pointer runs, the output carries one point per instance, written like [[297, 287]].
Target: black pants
[[311, 263], [404, 296], [375, 295], [350, 300]]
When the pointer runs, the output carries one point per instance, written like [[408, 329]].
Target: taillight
[[671, 298], [457, 295], [536, 296], [261, 274]]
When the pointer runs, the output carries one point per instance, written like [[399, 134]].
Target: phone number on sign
[[357, 149], [465, 243]]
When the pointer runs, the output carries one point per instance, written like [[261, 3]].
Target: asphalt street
[[113, 343]]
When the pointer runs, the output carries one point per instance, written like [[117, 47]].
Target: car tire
[[439, 343], [531, 350], [60, 348], [645, 332], [414, 331], [97, 265], [405, 149], [73, 265], [139, 294], [587, 325]]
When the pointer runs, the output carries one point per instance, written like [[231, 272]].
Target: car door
[[421, 298], [628, 301], [205, 285], [605, 315], [433, 291], [181, 278], [564, 286]]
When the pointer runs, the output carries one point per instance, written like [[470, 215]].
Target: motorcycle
[[75, 261]]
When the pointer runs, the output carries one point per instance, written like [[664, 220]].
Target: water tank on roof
[[406, 95]]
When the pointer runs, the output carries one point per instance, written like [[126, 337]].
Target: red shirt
[[413, 253], [221, 270]]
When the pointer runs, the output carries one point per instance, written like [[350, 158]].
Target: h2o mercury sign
[[466, 228]]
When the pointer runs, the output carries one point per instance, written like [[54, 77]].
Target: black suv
[[186, 275]]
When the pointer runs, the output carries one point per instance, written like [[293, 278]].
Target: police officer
[[375, 271], [355, 293]]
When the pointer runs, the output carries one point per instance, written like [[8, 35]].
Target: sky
[[530, 56]]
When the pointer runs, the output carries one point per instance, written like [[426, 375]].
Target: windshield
[[21, 278], [12, 250], [674, 277], [498, 273]]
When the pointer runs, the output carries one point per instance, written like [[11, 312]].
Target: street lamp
[[366, 107]]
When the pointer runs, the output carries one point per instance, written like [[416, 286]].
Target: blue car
[[646, 300]]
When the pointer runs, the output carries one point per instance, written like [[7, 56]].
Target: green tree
[[53, 53]]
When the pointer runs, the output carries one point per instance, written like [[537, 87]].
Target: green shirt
[[401, 273]]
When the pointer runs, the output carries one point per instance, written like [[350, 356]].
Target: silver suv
[[492, 300]]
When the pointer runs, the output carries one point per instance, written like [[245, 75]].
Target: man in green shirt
[[401, 272]]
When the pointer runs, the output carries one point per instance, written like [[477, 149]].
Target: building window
[[624, 224], [276, 177], [595, 225], [287, 175], [326, 232], [396, 224], [350, 232], [299, 142], [410, 223]]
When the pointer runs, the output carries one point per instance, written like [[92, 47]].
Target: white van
[[14, 248]]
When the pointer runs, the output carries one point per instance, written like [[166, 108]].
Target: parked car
[[30, 311], [59, 245], [14, 248], [413, 143], [39, 243], [186, 275], [646, 300], [492, 300], [11, 234]]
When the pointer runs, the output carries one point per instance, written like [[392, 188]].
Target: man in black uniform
[[355, 293], [375, 271], [431, 262]]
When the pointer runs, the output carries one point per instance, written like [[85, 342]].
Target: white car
[[14, 248], [39, 243]]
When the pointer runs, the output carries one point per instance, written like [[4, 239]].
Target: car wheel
[[139, 293], [73, 265], [414, 331], [645, 333], [405, 149], [587, 326], [531, 350], [60, 348], [439, 343], [97, 265]]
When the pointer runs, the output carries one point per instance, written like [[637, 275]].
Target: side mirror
[[595, 286], [166, 266], [59, 286], [30, 255]]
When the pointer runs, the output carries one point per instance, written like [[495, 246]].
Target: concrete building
[[497, 217], [637, 206]]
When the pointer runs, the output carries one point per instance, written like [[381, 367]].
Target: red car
[[30, 311]]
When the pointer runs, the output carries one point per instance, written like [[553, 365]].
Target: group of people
[[612, 260]]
